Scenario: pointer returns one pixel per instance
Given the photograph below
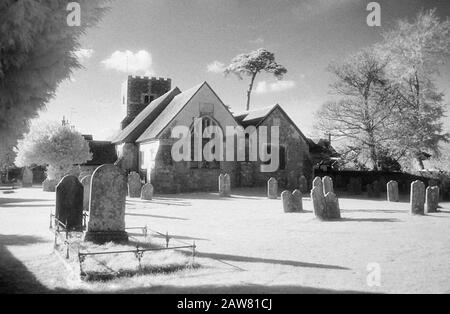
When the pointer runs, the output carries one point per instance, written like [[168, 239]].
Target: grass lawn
[[245, 244]]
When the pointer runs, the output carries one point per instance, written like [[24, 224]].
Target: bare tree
[[250, 64], [365, 105]]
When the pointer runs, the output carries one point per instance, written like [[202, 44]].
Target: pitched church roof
[[253, 117], [168, 114], [146, 118]]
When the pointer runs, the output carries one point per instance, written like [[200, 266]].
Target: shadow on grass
[[366, 220], [155, 216], [14, 276], [6, 200], [248, 259]]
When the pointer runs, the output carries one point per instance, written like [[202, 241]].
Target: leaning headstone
[[27, 178], [147, 192], [303, 184], [49, 185], [272, 188], [327, 185], [318, 201], [227, 180], [107, 205], [333, 211], [288, 202], [134, 185], [86, 182], [431, 199], [417, 198], [297, 200], [318, 182], [392, 191], [69, 203]]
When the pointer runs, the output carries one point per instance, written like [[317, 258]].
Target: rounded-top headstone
[[318, 200], [327, 185], [333, 210], [107, 205], [288, 202], [147, 192], [392, 191], [417, 198], [69, 203], [272, 188], [297, 200], [134, 185], [227, 187], [431, 199]]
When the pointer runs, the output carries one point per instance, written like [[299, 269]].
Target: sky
[[190, 41]]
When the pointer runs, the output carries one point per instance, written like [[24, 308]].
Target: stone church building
[[154, 108]]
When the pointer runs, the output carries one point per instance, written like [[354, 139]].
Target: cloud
[[257, 41], [130, 62], [84, 54], [264, 87], [216, 67]]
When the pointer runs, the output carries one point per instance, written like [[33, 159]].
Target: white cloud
[[257, 41], [264, 87], [83, 54], [216, 67], [130, 62]]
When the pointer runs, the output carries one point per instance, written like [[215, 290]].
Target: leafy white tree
[[37, 51], [58, 147], [416, 51], [251, 64]]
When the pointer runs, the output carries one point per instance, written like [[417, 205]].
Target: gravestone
[[147, 192], [392, 191], [327, 185], [297, 200], [318, 182], [332, 206], [318, 201], [288, 202], [272, 188], [417, 198], [69, 203], [227, 181], [134, 185], [107, 205], [222, 184], [86, 182], [303, 184], [49, 185], [27, 178], [431, 199]]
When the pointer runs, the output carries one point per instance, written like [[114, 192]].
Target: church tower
[[138, 92]]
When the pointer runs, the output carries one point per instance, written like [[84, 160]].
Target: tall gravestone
[[272, 188], [227, 186], [134, 185], [147, 192], [431, 199], [107, 205], [222, 184], [318, 200], [27, 178], [318, 182], [69, 203], [303, 184], [49, 185], [86, 182], [417, 198], [288, 202], [392, 191], [332, 204], [297, 200], [327, 185]]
